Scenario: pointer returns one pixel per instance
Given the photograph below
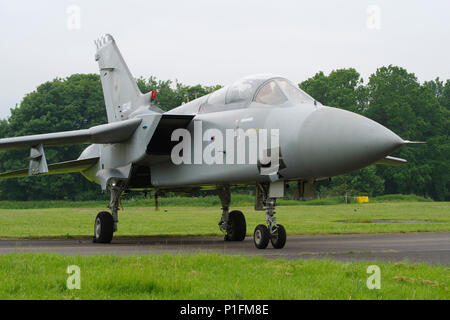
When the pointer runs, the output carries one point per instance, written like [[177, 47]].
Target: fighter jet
[[260, 131]]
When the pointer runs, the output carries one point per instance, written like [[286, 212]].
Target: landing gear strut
[[232, 223], [106, 223], [275, 233]]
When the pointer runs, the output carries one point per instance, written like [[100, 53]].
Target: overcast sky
[[217, 42]]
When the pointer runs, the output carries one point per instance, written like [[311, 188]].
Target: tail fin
[[122, 95]]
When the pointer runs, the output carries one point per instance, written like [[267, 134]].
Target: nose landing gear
[[275, 233]]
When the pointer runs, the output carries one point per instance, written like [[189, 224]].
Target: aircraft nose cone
[[334, 141]]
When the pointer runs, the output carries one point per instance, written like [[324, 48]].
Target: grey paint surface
[[105, 133], [414, 247]]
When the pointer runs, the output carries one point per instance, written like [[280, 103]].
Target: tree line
[[391, 96]]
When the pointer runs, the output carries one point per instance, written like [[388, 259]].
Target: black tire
[[237, 226], [103, 227], [261, 236], [278, 239]]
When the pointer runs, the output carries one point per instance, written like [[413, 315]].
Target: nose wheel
[[262, 236], [278, 238]]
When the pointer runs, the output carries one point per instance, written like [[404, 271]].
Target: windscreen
[[270, 93], [294, 93]]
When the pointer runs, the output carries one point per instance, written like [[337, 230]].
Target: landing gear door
[[277, 189]]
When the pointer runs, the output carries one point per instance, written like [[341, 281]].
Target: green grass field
[[199, 220], [213, 276], [238, 200]]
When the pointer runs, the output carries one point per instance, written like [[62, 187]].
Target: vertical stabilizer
[[122, 95]]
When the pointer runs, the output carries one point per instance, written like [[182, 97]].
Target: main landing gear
[[106, 223], [231, 223]]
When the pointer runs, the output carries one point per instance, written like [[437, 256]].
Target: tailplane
[[122, 95]]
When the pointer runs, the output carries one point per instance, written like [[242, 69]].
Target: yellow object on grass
[[362, 199]]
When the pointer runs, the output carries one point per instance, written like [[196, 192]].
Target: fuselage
[[314, 141]]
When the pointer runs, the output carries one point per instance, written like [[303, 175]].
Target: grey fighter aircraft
[[135, 149]]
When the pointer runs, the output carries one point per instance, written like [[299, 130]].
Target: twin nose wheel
[[237, 229], [262, 236]]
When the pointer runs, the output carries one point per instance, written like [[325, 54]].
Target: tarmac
[[430, 247]]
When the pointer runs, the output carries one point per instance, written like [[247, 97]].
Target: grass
[[213, 276], [177, 220], [240, 200]]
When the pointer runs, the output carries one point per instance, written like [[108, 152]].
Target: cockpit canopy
[[265, 89], [261, 89]]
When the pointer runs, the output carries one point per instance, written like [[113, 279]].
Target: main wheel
[[261, 236], [237, 226], [278, 239], [103, 227]]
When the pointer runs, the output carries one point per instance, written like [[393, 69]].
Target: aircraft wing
[[56, 168], [392, 161], [113, 132]]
